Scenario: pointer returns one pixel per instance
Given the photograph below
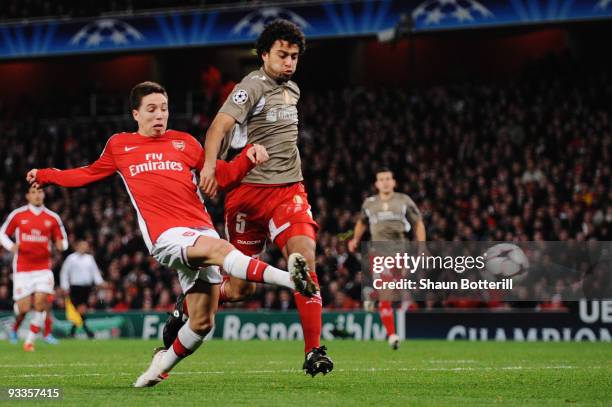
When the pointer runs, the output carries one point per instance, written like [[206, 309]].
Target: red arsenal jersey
[[34, 228], [159, 174]]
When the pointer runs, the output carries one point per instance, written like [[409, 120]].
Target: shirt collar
[[36, 209]]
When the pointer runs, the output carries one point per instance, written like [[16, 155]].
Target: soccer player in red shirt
[[271, 202], [158, 167], [34, 228]]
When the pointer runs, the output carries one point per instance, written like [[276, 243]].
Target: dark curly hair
[[280, 30]]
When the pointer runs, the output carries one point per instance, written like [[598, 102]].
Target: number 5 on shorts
[[240, 222]]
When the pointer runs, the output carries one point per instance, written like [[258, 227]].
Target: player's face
[[35, 196], [82, 247], [385, 183], [152, 115], [281, 62]]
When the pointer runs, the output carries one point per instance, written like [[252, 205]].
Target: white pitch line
[[374, 370]]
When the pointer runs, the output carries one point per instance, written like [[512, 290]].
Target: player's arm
[[220, 126], [77, 177], [360, 229], [7, 229], [413, 214], [64, 283], [235, 110], [229, 174], [98, 280], [59, 236]]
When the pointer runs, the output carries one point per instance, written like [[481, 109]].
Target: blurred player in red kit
[[34, 228], [158, 167], [271, 202]]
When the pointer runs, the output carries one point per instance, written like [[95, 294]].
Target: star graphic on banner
[[463, 14], [434, 17], [94, 40]]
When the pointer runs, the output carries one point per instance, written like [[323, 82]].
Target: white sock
[[35, 325], [188, 342], [237, 264]]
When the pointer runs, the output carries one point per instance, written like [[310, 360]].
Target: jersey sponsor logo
[[158, 165], [126, 149], [178, 144], [248, 242], [240, 97], [388, 215], [35, 236], [284, 113]]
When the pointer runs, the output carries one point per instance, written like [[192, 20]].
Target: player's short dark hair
[[280, 30], [384, 169], [143, 89]]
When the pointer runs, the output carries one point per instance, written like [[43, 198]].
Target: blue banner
[[320, 20]]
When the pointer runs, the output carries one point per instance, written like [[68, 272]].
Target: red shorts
[[254, 213]]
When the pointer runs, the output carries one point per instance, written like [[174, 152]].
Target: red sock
[[18, 320], [48, 324], [310, 310], [386, 316]]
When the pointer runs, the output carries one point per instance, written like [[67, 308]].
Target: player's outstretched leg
[[212, 251], [202, 300]]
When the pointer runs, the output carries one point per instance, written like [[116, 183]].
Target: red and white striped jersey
[[34, 229], [159, 174]]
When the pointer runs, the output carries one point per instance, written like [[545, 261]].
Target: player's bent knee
[[202, 325]]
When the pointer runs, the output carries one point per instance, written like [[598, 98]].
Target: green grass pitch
[[366, 373]]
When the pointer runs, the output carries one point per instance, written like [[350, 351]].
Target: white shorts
[[170, 250], [26, 283]]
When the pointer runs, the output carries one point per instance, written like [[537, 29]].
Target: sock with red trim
[[37, 322], [250, 269], [18, 320], [184, 345], [222, 293], [310, 310], [386, 316], [48, 325]]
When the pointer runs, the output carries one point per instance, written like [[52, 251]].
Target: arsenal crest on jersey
[[178, 144]]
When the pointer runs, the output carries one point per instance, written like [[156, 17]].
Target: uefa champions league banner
[[583, 321], [318, 20]]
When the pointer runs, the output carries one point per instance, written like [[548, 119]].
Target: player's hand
[[15, 248], [31, 178], [208, 182], [257, 154], [352, 246]]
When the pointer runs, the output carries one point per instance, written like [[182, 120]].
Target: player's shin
[[310, 310], [35, 325], [386, 316], [184, 345], [247, 268]]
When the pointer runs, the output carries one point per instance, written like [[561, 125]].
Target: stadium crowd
[[526, 159]]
